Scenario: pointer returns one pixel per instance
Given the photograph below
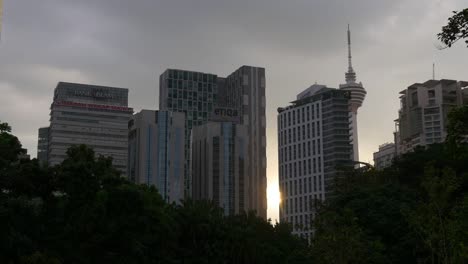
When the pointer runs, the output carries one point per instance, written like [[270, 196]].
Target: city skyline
[[105, 54]]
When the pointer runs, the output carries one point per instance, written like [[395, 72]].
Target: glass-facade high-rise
[[156, 152], [194, 94], [206, 97], [219, 165]]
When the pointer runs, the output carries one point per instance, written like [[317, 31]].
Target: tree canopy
[[456, 28], [83, 211]]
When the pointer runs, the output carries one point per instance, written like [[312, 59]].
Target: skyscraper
[[43, 144], [244, 90], [156, 152], [192, 93], [313, 140], [422, 118], [93, 115], [198, 94], [219, 166], [358, 94]]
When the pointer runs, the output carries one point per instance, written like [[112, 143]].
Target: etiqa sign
[[226, 112]]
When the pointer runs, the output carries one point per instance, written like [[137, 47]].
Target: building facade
[[43, 144], [384, 156], [156, 152], [200, 95], [313, 140], [422, 118], [220, 165], [93, 115]]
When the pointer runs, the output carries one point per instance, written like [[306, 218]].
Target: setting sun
[[274, 199]]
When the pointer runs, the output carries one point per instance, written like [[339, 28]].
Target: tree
[[456, 29]]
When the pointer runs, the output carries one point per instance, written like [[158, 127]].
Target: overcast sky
[[129, 43]]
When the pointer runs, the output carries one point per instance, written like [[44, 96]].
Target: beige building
[[422, 118], [220, 165], [384, 156]]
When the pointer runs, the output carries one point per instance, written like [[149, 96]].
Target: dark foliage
[[82, 211], [456, 29]]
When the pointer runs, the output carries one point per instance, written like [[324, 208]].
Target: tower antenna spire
[[350, 76], [350, 66]]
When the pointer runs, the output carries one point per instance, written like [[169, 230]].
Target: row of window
[[306, 131], [300, 168], [299, 115], [192, 76], [298, 151], [301, 223], [191, 86], [189, 95], [183, 105], [301, 186], [299, 205]]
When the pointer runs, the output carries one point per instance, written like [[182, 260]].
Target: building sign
[[95, 106], [221, 114], [226, 112], [94, 93]]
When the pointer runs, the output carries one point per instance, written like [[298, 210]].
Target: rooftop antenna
[[433, 70], [1, 15]]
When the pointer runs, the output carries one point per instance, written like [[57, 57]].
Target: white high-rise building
[[358, 94], [313, 141]]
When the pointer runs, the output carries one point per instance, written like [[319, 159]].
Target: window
[[300, 168], [300, 185]]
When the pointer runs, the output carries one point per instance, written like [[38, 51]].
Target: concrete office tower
[[42, 144], [220, 165], [156, 152], [93, 115], [313, 139], [358, 94], [422, 118], [198, 94], [384, 156], [244, 89]]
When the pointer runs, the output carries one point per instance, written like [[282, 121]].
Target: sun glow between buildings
[[274, 196]]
